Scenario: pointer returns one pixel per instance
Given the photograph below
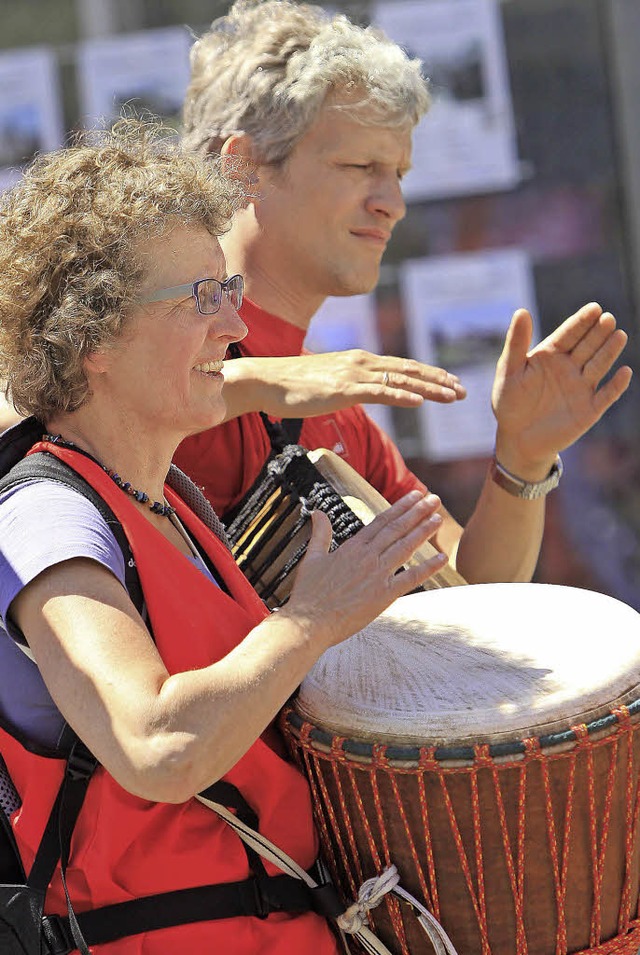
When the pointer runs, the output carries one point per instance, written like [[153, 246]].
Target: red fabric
[[226, 460], [125, 847]]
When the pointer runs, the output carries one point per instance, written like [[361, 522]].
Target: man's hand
[[546, 398], [311, 384]]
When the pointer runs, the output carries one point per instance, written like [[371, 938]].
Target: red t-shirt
[[225, 461]]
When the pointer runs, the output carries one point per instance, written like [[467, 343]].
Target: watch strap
[[528, 490]]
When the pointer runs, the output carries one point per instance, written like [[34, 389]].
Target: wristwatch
[[529, 490]]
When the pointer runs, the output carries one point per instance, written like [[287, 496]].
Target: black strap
[[56, 839], [281, 433], [257, 896], [251, 897], [11, 868]]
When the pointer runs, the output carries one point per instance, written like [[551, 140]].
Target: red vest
[[125, 847]]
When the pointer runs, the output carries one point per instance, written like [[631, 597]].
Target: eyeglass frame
[[173, 291]]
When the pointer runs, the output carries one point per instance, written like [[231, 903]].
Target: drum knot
[[370, 894]]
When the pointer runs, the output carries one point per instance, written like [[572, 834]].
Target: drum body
[[270, 531], [485, 740]]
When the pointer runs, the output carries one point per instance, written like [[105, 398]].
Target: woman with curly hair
[[116, 311]]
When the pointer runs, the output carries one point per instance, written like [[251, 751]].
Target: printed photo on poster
[[348, 322], [466, 143], [458, 309], [144, 73], [30, 109]]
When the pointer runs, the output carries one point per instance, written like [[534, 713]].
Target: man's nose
[[386, 200]]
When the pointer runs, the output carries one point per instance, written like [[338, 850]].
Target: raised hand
[[313, 384], [338, 593], [545, 398]]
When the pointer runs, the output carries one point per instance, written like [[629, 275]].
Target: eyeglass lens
[[210, 292]]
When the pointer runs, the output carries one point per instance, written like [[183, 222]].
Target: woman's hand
[[308, 385], [336, 594]]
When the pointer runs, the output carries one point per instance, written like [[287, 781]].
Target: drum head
[[484, 662]]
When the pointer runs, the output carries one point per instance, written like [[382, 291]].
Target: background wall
[[573, 74]]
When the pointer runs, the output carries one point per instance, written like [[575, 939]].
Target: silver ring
[[385, 379]]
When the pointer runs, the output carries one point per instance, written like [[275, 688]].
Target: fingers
[[568, 335], [407, 383], [321, 534], [517, 342], [395, 534], [604, 357], [411, 577], [597, 336], [612, 390]]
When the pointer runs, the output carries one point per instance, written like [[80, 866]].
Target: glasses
[[207, 293]]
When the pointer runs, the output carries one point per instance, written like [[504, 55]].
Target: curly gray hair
[[68, 240], [267, 67]]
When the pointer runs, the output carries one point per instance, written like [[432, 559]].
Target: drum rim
[[397, 752]]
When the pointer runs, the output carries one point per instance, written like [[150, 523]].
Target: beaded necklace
[[156, 507]]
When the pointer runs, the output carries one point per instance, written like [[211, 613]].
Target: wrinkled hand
[[313, 384], [546, 398], [338, 593]]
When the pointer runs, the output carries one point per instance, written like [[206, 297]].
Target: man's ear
[[238, 160], [240, 146]]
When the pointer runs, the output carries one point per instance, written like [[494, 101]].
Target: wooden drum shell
[[528, 852]]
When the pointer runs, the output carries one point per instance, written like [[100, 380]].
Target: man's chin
[[358, 284]]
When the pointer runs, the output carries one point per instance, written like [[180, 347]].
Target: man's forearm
[[502, 540]]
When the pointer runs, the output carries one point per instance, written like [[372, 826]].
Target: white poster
[[349, 322], [466, 143], [146, 73], [458, 309], [30, 110]]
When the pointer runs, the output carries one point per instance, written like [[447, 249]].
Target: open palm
[[545, 398]]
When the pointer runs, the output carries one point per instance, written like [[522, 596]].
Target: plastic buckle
[[326, 900], [81, 765], [262, 906], [54, 936]]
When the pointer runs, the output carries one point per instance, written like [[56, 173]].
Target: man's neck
[[272, 289]]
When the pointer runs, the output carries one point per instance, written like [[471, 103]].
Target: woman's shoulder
[[43, 523]]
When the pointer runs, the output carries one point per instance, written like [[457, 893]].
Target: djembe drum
[[270, 532], [484, 739]]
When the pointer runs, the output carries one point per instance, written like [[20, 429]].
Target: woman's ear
[[96, 362]]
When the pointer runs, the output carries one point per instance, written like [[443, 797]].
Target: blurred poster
[[146, 73], [30, 109], [349, 322], [458, 310], [466, 143]]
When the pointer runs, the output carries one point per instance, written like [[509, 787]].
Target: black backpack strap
[[56, 839], [257, 896], [43, 466], [11, 868], [281, 893]]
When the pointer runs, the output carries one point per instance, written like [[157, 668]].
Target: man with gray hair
[[322, 112]]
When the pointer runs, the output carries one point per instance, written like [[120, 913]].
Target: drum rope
[[600, 772], [369, 895], [323, 799], [632, 820]]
